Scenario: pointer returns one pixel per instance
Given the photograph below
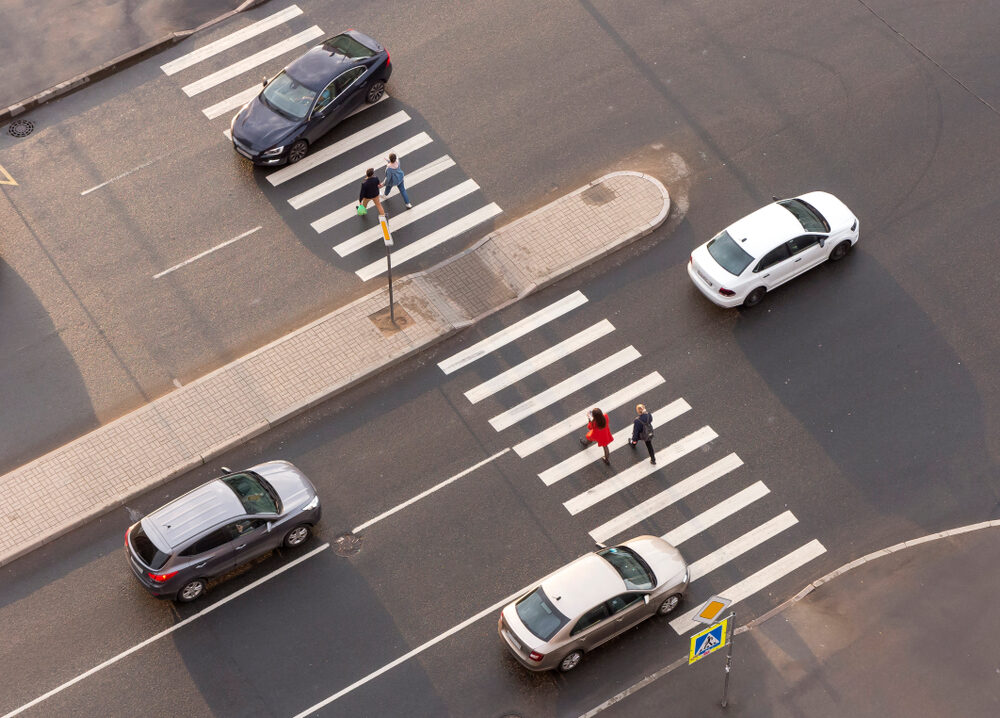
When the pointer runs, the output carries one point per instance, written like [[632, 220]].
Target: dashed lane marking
[[205, 253]]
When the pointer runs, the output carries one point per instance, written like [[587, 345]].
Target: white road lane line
[[757, 581], [167, 631], [338, 148], [428, 492], [231, 103], [258, 58], [662, 500], [205, 253], [428, 242], [398, 221], [123, 174], [737, 547], [582, 458], [717, 513], [230, 40], [637, 472], [577, 419], [514, 331], [416, 651], [565, 388], [541, 360], [412, 178], [355, 174]]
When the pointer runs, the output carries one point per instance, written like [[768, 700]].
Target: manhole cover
[[20, 128], [347, 544]]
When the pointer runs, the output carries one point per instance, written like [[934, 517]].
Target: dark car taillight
[[161, 577], [726, 292], [387, 58]]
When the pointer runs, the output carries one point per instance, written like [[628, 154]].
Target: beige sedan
[[592, 600]]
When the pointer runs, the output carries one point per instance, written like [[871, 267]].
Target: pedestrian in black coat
[[642, 430]]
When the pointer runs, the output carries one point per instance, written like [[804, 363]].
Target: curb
[[450, 323], [121, 62]]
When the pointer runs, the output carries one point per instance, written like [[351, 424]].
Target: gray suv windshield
[[728, 254], [539, 615], [255, 495]]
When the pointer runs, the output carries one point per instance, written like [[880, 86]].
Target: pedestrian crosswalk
[[222, 73], [699, 495]]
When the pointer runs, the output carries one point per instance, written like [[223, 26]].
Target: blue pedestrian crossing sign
[[711, 639]]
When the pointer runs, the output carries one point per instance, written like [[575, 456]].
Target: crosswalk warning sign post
[[708, 641]]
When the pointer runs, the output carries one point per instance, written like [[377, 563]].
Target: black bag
[[645, 430]]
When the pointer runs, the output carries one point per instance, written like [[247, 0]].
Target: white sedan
[[767, 248]]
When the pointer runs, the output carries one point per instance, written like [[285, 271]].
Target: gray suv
[[210, 530]]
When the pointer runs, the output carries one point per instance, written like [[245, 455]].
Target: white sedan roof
[[764, 229]]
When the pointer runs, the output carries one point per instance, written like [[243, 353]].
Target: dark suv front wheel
[[191, 590]]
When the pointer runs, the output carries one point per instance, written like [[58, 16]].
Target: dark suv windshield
[[150, 555], [728, 254], [288, 97], [629, 566], [539, 615], [809, 218], [254, 493]]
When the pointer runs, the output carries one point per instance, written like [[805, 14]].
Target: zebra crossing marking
[[348, 210], [356, 139], [564, 388], [662, 500], [513, 332], [539, 361], [576, 420], [706, 519], [247, 63], [231, 40], [425, 208], [756, 581], [429, 241], [356, 173], [231, 103], [637, 472], [737, 547], [588, 456]]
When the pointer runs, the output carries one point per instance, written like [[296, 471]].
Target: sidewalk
[[907, 634], [190, 426]]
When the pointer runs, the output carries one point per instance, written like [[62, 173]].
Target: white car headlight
[[312, 504], [273, 151]]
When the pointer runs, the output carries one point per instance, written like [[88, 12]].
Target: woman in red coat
[[598, 431]]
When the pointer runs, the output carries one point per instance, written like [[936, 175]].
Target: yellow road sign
[[711, 639], [385, 230], [7, 178]]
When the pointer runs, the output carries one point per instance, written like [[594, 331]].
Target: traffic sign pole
[[729, 658], [388, 262]]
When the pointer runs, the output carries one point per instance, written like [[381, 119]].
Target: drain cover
[[20, 128], [347, 544]]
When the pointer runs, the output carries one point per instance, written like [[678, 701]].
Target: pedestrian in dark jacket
[[394, 178], [369, 192], [642, 430], [598, 432]]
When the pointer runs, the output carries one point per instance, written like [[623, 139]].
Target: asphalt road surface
[[862, 396]]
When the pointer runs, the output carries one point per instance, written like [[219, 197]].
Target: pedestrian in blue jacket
[[394, 178]]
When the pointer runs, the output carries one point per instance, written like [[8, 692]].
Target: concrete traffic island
[[190, 426]]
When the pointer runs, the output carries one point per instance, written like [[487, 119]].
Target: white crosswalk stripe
[[540, 361], [355, 174], [756, 581], [708, 519], [513, 332], [440, 236], [637, 472], [398, 221], [231, 103], [248, 63], [349, 210], [564, 388], [342, 146], [231, 40], [577, 421], [737, 547], [665, 498], [582, 458]]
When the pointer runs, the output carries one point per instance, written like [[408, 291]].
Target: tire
[[192, 590], [669, 604], [298, 150], [375, 92], [570, 661], [296, 536], [840, 251], [754, 297]]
